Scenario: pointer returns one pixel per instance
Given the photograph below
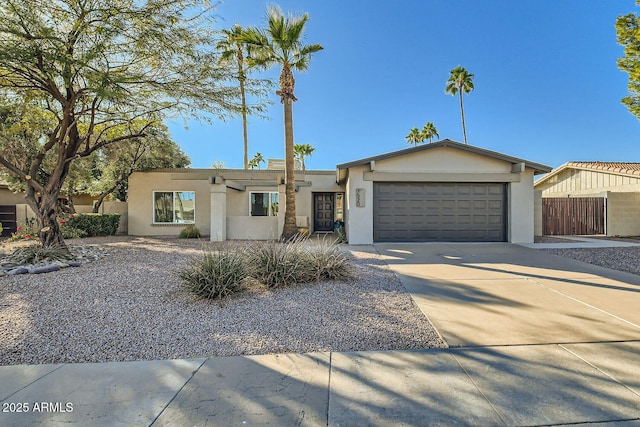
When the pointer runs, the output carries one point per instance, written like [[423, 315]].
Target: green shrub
[[190, 232], [95, 224], [217, 274]]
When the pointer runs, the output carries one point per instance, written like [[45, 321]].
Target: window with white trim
[[263, 203], [174, 207]]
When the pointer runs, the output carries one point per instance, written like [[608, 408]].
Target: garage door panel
[[439, 212]]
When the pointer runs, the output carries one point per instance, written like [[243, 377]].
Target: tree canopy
[[628, 31], [281, 44], [87, 67], [460, 81]]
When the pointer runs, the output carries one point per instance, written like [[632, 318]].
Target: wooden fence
[[573, 215]]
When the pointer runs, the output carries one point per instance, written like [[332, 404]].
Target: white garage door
[[447, 212]]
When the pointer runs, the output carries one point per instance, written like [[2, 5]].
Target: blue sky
[[547, 88]]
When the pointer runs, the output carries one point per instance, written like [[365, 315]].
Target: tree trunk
[[464, 129], [244, 125], [290, 229], [46, 210], [103, 195], [72, 206]]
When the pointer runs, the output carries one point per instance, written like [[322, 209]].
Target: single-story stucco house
[[443, 191], [591, 198]]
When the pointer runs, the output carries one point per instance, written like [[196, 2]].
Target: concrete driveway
[[503, 294]]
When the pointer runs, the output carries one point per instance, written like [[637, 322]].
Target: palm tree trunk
[[244, 125], [290, 229], [464, 129]]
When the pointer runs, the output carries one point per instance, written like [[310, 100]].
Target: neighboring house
[[14, 209], [443, 191], [591, 198]]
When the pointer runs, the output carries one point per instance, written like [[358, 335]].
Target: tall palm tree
[[429, 131], [281, 44], [255, 162], [233, 46], [460, 81], [301, 151], [414, 137]]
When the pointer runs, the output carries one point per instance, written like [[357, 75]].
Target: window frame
[[270, 211], [173, 207]]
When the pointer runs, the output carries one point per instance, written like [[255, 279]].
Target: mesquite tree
[[89, 66]]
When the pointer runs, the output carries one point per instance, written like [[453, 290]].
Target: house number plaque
[[360, 197]]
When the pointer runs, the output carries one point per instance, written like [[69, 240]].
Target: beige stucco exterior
[[222, 197], [441, 164], [82, 203], [141, 188], [223, 201]]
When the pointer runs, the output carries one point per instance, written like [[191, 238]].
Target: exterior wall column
[[359, 205], [537, 203], [521, 209], [218, 213], [282, 201]]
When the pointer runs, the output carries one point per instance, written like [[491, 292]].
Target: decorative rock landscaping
[[81, 254], [130, 305]]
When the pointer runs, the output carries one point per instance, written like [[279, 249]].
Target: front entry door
[[323, 211]]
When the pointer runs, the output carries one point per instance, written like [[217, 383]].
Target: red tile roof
[[625, 168]]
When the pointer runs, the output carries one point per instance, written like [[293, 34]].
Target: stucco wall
[[537, 213], [449, 163], [7, 197], [622, 214], [359, 223], [443, 159], [520, 228], [141, 188]]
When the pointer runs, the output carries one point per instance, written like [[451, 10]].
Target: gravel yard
[[129, 306], [622, 259]]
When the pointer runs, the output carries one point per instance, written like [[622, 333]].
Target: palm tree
[[233, 46], [429, 131], [301, 151], [255, 162], [414, 137], [460, 81], [281, 44]]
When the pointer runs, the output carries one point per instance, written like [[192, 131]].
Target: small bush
[[190, 232], [95, 224], [217, 274], [26, 231]]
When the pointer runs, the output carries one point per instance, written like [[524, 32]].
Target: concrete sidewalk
[[513, 385], [535, 339]]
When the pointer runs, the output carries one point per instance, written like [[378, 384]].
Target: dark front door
[[323, 211]]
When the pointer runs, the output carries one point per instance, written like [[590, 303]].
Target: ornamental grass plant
[[217, 274], [225, 269]]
